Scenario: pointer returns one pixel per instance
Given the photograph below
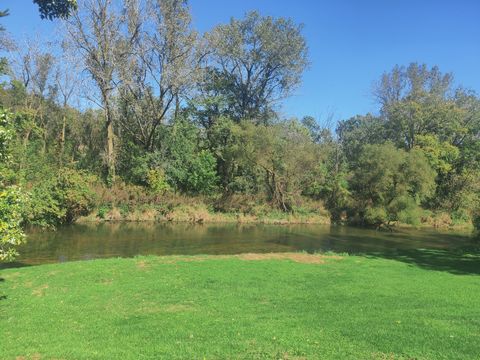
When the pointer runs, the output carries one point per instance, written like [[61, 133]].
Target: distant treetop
[[51, 9]]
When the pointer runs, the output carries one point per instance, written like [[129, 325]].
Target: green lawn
[[235, 308]]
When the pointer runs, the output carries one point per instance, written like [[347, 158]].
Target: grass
[[240, 307]]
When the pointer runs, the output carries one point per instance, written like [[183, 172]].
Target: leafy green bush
[[375, 216], [61, 199], [460, 217], [11, 198], [103, 211], [202, 174], [124, 210], [157, 182], [11, 234], [6, 135]]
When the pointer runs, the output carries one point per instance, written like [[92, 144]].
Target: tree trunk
[[62, 140], [110, 145], [177, 107]]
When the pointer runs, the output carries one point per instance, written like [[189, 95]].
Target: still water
[[91, 241]]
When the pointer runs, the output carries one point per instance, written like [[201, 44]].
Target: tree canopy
[[51, 9]]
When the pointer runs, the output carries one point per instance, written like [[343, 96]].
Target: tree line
[[135, 98]]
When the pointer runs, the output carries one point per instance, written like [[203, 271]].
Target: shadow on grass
[[459, 262], [13, 265], [456, 253], [2, 297]]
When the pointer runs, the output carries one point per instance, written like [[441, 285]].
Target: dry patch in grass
[[40, 290], [297, 257], [174, 308], [142, 265], [32, 357]]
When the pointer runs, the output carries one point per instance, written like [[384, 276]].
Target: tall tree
[[97, 31], [160, 70], [256, 61], [67, 83]]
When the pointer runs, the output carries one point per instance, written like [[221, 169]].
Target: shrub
[[202, 177], [103, 211], [61, 199], [11, 234], [157, 182], [375, 216]]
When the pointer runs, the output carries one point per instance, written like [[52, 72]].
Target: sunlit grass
[[241, 307]]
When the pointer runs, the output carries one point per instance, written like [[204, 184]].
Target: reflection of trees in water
[[90, 240]]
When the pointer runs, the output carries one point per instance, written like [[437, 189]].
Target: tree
[[32, 82], [160, 70], [415, 101], [51, 9], [284, 156], [357, 132], [412, 82], [96, 31], [67, 83], [388, 184], [256, 61]]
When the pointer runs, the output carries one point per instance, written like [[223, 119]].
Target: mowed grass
[[348, 307]]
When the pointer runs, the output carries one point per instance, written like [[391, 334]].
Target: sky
[[351, 43]]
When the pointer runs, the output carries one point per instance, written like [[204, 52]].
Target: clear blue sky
[[351, 42]]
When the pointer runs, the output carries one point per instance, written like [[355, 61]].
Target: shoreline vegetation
[[192, 215], [325, 306], [124, 202], [185, 126], [196, 215]]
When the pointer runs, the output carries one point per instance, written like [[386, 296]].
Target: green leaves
[[258, 59], [61, 198], [11, 235], [51, 9], [189, 167], [389, 184], [11, 198]]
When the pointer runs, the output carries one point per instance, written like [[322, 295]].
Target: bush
[[11, 234], [375, 216], [476, 220], [61, 199], [460, 217], [103, 211], [157, 182], [202, 177], [11, 198]]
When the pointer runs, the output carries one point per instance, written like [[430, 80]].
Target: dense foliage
[[184, 116], [11, 198], [50, 9]]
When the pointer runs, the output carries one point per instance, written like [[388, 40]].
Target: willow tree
[[255, 62]]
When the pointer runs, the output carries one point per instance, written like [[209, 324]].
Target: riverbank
[[201, 213], [284, 306]]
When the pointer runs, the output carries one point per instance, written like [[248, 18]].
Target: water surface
[[91, 241]]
